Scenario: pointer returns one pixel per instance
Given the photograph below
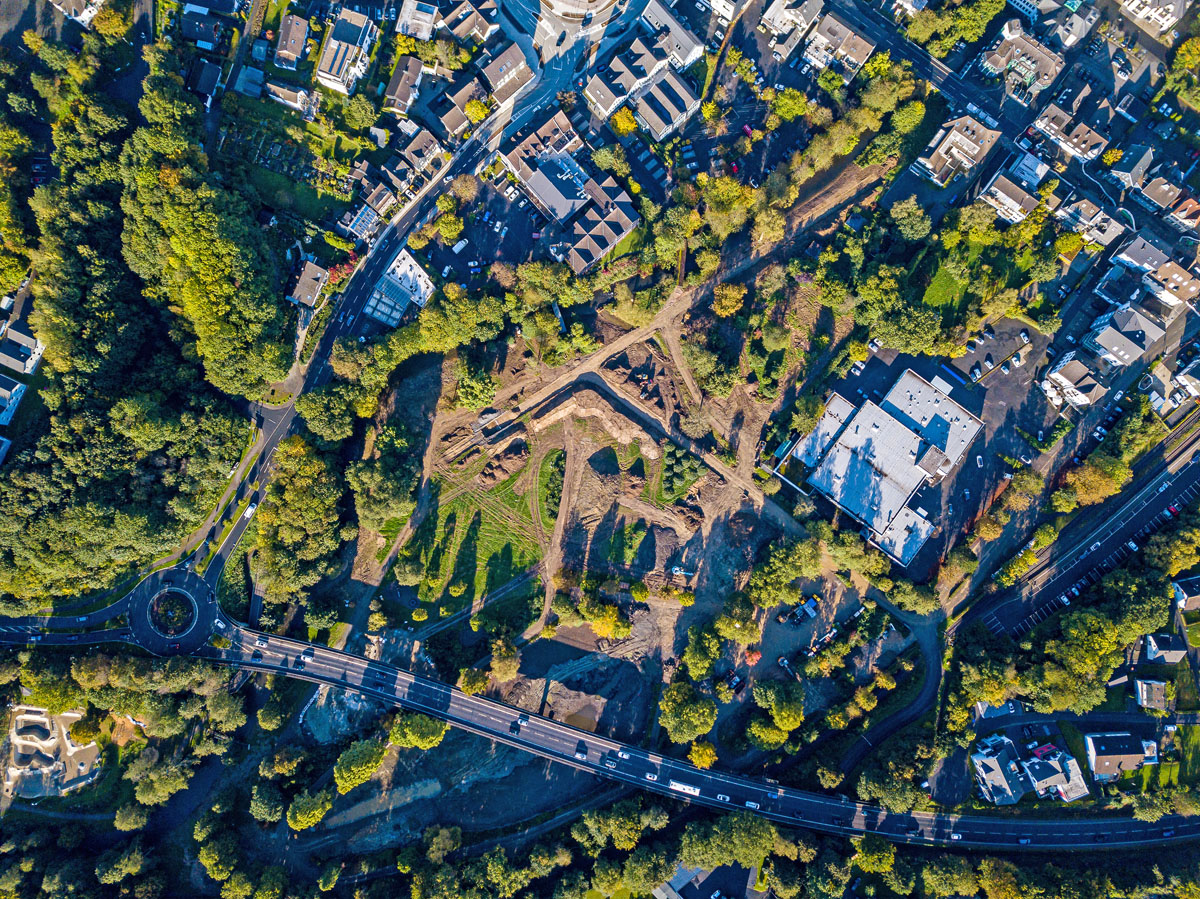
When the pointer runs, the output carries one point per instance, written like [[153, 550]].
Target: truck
[[460, 246], [680, 787]]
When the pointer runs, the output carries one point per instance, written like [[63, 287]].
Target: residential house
[[1172, 284], [1130, 170], [1069, 27], [1090, 221], [1124, 335], [1186, 590], [1152, 694], [685, 48], [20, 350], [603, 224], [665, 104], [1142, 254], [452, 106], [403, 284], [872, 462], [471, 21], [359, 223], [958, 148], [417, 153], [82, 11], [835, 43], [1073, 381], [258, 50], [1111, 755], [1010, 200], [1027, 66], [347, 52], [417, 18], [790, 21], [292, 97], [1011, 191], [310, 281], [250, 82], [381, 199], [1159, 193], [404, 87], [724, 10], [627, 73], [1155, 15], [292, 43], [11, 391], [1184, 214], [1078, 121], [204, 78], [998, 771], [1165, 649], [1053, 772], [505, 73], [202, 30]]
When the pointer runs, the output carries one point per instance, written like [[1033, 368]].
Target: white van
[[460, 246]]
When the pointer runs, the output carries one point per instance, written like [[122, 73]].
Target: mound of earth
[[505, 464]]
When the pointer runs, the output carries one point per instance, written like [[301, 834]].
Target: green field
[[477, 542]]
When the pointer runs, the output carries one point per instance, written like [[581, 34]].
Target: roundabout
[[172, 612]]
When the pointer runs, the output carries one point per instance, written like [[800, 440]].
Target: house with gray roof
[[11, 391], [1130, 170], [20, 350], [1073, 381], [292, 43], [1124, 335], [665, 104], [685, 48], [998, 772]]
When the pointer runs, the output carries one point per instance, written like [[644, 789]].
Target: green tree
[[359, 113], [266, 802], [358, 763], [912, 222], [476, 111], [307, 809], [685, 714], [472, 681], [130, 817], [506, 660], [702, 754], [412, 730]]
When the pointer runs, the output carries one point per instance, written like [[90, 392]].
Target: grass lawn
[[284, 192], [1193, 627], [1187, 697], [944, 292], [274, 14], [1188, 739]]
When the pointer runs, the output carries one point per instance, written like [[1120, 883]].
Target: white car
[[250, 510], [651, 776]]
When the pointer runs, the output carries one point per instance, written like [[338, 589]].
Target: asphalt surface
[[649, 771]]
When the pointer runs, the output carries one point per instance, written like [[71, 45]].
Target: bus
[[683, 788]]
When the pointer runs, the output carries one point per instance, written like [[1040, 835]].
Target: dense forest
[[134, 447]]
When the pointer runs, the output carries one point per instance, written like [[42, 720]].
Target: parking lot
[[500, 225]]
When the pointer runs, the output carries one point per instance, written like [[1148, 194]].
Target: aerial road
[[209, 635]]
